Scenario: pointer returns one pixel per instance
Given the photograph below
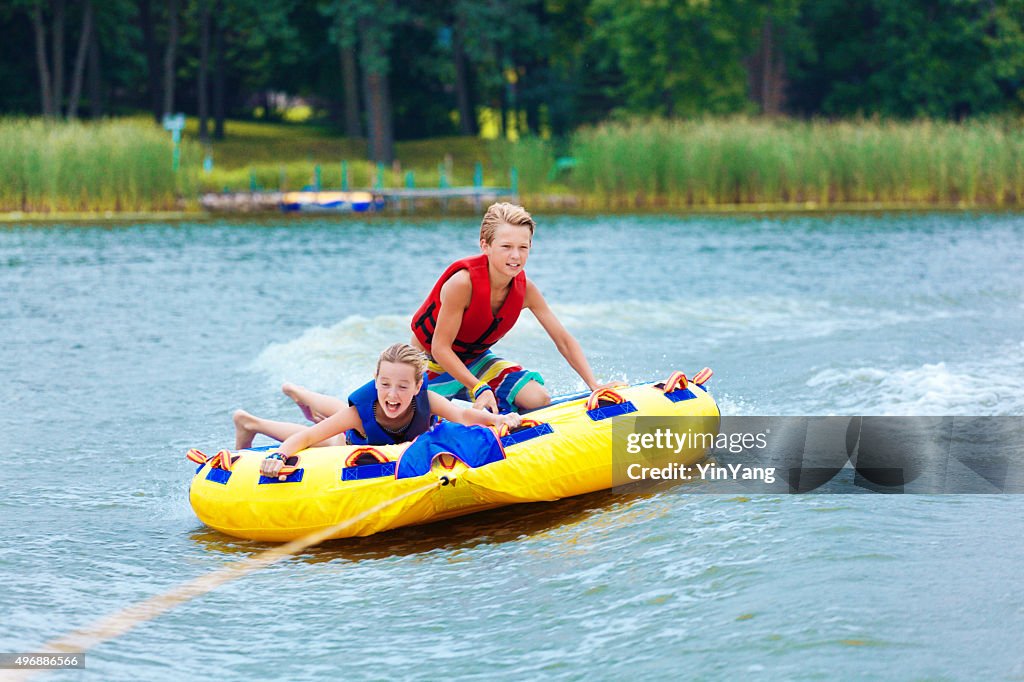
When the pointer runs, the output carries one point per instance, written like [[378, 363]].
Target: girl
[[393, 408]]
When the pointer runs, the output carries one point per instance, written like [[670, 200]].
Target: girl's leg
[[315, 406], [247, 426]]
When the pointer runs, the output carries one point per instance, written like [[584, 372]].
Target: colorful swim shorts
[[505, 377]]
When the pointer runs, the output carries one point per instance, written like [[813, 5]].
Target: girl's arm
[[565, 342], [446, 409], [339, 422]]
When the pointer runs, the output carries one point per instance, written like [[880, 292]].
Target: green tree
[[907, 58], [678, 58]]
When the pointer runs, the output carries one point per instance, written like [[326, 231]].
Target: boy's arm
[[566, 343], [455, 297]]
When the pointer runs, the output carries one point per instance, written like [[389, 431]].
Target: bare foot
[[295, 393], [244, 431]]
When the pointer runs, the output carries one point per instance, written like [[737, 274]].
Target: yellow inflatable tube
[[566, 451]]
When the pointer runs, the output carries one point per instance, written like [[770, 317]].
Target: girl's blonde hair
[[403, 352], [504, 213]]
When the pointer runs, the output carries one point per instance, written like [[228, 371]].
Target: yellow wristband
[[480, 388]]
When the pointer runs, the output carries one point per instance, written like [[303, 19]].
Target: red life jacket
[[480, 328]]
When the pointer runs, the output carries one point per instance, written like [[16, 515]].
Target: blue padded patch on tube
[[365, 471], [610, 411], [218, 476], [526, 434], [680, 395], [294, 477]]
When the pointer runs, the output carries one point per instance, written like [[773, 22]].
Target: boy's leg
[[514, 387], [532, 396], [315, 406]]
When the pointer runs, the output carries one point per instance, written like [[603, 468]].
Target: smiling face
[[508, 250], [396, 387]]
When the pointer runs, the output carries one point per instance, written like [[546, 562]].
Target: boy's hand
[[610, 384], [487, 401]]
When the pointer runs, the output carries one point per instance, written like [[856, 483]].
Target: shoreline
[[551, 205]]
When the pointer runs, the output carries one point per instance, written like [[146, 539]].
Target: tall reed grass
[[125, 165], [85, 167], [755, 161]]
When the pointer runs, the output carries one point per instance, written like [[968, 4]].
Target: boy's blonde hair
[[404, 353], [500, 214]]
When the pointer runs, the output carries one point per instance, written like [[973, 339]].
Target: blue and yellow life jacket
[[363, 399]]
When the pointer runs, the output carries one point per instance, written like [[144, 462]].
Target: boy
[[474, 303]]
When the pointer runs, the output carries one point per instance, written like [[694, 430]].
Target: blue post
[[344, 176], [176, 155], [478, 175], [252, 181], [410, 180], [380, 176], [514, 177], [443, 182], [316, 175]]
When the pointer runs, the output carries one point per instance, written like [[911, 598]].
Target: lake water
[[124, 346]]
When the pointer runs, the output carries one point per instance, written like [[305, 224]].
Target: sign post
[[175, 123]]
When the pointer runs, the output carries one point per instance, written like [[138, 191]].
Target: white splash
[[987, 386], [335, 359]]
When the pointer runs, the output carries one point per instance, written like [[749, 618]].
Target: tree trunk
[[503, 112], [387, 128], [83, 45], [767, 72], [58, 57], [95, 90], [776, 92], [669, 100], [45, 94], [377, 119], [375, 86], [152, 58], [169, 53], [204, 64], [467, 112], [268, 105], [369, 102], [219, 71], [503, 97], [533, 118], [349, 73]]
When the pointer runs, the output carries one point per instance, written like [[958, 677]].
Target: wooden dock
[[396, 200], [411, 199]]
